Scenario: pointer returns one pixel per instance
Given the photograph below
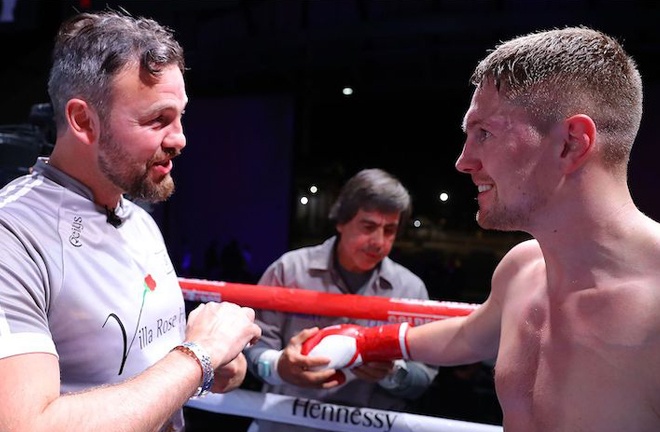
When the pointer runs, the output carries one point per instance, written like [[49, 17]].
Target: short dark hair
[[91, 49], [371, 189]]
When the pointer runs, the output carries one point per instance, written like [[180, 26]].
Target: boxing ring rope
[[312, 413], [327, 416], [294, 300]]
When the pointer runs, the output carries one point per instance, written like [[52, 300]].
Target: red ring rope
[[295, 300]]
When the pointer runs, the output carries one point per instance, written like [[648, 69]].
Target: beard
[[130, 175], [501, 217], [499, 220]]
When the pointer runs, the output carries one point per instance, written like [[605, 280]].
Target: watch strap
[[195, 351]]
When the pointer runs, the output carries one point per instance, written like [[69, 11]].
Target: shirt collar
[[42, 167]]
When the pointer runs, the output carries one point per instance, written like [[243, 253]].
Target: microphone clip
[[112, 218]]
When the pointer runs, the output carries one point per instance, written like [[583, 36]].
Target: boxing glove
[[350, 345]]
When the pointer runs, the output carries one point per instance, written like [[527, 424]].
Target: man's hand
[[305, 371], [230, 376], [374, 371], [223, 329], [350, 345]]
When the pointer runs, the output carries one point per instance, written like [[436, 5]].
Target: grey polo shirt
[[312, 268], [105, 300]]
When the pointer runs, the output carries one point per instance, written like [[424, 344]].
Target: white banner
[[332, 417]]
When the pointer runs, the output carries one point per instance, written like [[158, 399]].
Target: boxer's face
[[510, 161], [144, 133], [366, 239]]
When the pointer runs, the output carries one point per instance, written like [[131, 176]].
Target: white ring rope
[[327, 416]]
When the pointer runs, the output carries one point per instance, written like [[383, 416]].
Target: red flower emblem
[[150, 282]]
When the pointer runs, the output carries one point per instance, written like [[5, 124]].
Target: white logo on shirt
[[76, 231]]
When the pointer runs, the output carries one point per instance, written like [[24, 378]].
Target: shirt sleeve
[[24, 294], [270, 322]]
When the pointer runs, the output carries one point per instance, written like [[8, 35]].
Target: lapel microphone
[[112, 218]]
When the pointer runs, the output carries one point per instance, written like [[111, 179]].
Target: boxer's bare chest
[[557, 352]]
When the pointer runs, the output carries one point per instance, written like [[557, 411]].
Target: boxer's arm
[[446, 342], [373, 354], [476, 337], [351, 345], [458, 340]]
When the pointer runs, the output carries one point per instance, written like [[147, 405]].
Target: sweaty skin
[[572, 316]]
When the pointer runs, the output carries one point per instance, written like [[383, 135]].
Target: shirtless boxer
[[572, 317]]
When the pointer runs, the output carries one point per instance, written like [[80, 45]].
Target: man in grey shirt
[[369, 212], [93, 331]]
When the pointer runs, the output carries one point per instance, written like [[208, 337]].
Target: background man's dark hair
[[371, 190]]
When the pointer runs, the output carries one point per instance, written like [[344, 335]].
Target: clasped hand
[[312, 372]]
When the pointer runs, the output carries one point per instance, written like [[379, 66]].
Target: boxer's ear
[[579, 142]]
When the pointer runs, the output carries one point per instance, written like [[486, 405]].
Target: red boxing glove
[[350, 345]]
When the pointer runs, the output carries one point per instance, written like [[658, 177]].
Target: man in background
[[371, 209]]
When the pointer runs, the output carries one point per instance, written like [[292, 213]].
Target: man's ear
[[83, 121], [579, 143]]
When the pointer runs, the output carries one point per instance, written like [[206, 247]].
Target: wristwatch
[[198, 353]]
